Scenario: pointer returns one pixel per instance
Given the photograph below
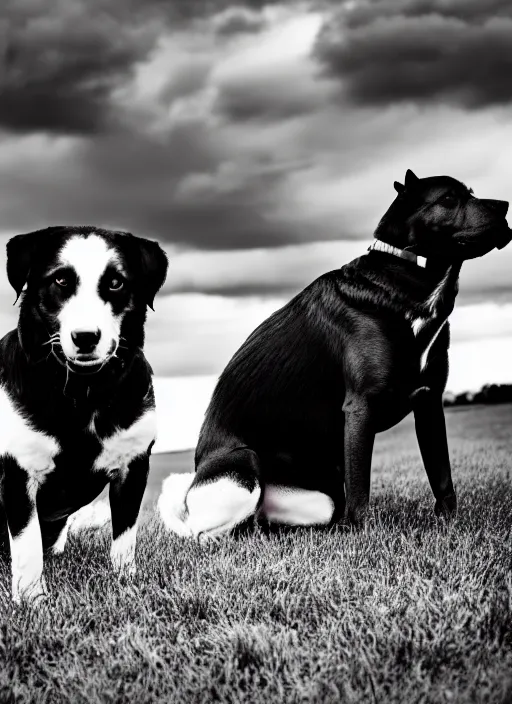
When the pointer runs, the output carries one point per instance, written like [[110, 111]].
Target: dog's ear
[[22, 252], [399, 188], [154, 265], [19, 260], [411, 180]]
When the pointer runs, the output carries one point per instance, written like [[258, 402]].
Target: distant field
[[407, 610]]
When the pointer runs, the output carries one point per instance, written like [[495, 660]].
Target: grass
[[407, 610]]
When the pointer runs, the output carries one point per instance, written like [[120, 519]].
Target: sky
[[258, 143]]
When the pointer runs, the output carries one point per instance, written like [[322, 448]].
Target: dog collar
[[402, 253]]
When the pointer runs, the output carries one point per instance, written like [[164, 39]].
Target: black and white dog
[[290, 428], [77, 406]]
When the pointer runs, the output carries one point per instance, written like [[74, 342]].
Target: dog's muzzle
[[88, 362]]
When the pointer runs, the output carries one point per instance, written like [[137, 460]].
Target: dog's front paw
[[356, 515], [446, 507]]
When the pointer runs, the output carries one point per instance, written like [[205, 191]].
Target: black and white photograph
[[255, 351]]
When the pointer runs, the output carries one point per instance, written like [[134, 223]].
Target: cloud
[[63, 60], [457, 52], [284, 271], [272, 79], [266, 273], [172, 168], [194, 334], [238, 20]]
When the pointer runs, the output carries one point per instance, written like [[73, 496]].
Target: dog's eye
[[116, 283], [448, 200], [61, 281]]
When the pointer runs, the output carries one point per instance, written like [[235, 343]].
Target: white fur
[[296, 507], [424, 356], [27, 561], [418, 324], [207, 510], [86, 310], [214, 508], [92, 516], [122, 552], [60, 543], [171, 503], [32, 449], [125, 444], [218, 506]]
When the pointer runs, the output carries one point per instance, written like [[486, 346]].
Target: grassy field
[[407, 610]]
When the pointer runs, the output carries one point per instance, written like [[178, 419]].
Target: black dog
[[76, 396], [294, 415]]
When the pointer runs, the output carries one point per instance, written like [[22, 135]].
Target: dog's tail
[[171, 503]]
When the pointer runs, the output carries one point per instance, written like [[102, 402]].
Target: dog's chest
[[124, 444], [427, 326], [38, 452]]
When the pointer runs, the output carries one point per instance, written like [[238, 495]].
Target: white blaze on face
[[86, 311]]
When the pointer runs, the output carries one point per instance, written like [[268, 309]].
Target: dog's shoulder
[[33, 449], [376, 283]]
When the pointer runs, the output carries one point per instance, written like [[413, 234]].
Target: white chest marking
[[32, 449], [125, 444], [437, 325], [430, 326]]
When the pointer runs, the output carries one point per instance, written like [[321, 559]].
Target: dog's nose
[[499, 206], [85, 340]]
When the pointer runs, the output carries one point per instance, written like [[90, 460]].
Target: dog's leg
[[125, 495], [24, 534], [226, 490], [359, 440], [433, 443], [55, 534]]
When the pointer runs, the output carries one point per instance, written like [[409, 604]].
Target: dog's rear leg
[[359, 440], [225, 492]]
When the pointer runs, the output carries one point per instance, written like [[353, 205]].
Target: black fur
[[53, 399], [300, 402]]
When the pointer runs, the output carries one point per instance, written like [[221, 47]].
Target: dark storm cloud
[[266, 99], [173, 188], [61, 61], [238, 20], [456, 52]]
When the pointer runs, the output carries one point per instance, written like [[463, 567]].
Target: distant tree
[[488, 394]]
